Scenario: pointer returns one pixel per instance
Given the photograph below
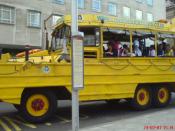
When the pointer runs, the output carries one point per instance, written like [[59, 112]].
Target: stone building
[[170, 9], [22, 21]]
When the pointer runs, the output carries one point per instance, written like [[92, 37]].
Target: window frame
[[60, 2], [113, 5], [12, 11], [131, 42], [138, 11], [150, 2], [147, 17], [96, 28], [29, 21], [126, 7], [81, 7], [102, 42], [140, 1], [93, 6], [164, 33]]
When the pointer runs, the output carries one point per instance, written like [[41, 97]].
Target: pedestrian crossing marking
[[20, 118], [4, 126], [24, 122], [64, 120], [16, 127], [83, 116], [48, 124], [13, 123]]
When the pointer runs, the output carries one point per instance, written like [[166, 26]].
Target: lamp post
[[77, 66]]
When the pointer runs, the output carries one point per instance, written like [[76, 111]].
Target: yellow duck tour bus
[[123, 59]]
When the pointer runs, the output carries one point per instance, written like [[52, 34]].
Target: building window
[[126, 12], [112, 9], [141, 1], [150, 2], [81, 4], [96, 5], [34, 19], [58, 1], [7, 14], [149, 17], [55, 18], [139, 15]]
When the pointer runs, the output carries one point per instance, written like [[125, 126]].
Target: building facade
[[22, 21], [170, 9]]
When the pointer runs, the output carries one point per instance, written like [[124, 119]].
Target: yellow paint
[[34, 112], [5, 58], [165, 94], [143, 96], [4, 126], [16, 127]]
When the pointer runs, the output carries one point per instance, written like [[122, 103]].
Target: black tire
[[155, 99], [17, 107], [52, 100], [134, 102]]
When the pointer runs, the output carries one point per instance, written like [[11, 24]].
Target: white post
[[76, 71]]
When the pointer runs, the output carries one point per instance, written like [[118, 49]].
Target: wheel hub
[[161, 94], [38, 104], [142, 96]]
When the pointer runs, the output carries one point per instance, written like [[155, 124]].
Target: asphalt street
[[92, 114]]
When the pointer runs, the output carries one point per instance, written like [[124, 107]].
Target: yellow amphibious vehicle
[[123, 59]]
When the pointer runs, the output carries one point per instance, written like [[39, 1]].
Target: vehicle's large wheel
[[142, 98], [38, 106], [162, 96]]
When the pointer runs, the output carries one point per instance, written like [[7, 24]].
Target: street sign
[[78, 63]]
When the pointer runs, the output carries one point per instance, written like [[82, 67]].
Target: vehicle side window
[[143, 44], [116, 43], [91, 36], [166, 45]]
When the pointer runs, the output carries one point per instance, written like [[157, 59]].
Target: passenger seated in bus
[[142, 49], [136, 42], [137, 50], [109, 51], [152, 51], [116, 45], [160, 51], [169, 51], [173, 50], [125, 50]]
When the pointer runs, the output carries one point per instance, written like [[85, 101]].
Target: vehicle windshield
[[60, 38]]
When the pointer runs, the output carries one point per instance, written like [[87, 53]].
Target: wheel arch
[[170, 86], [61, 92]]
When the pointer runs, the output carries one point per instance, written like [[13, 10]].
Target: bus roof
[[112, 22]]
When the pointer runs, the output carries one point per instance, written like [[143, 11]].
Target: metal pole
[[75, 97]]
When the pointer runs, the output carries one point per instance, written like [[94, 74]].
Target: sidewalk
[[162, 120]]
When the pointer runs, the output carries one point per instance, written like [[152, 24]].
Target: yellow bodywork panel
[[11, 95], [5, 58], [104, 78]]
